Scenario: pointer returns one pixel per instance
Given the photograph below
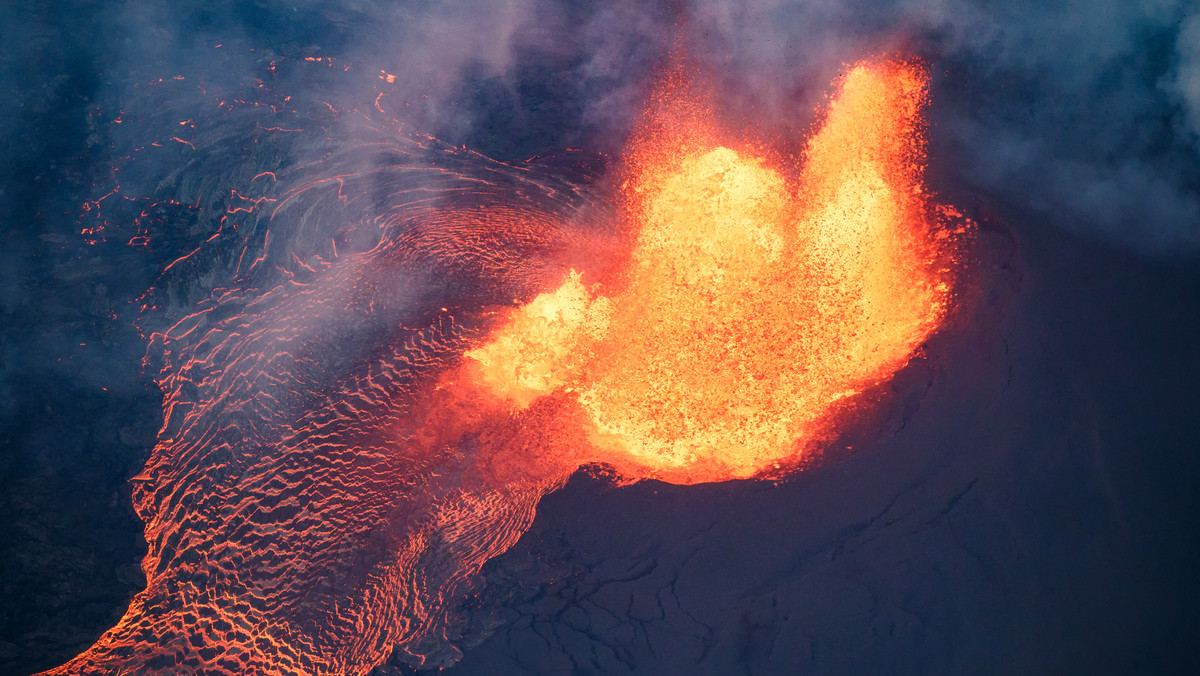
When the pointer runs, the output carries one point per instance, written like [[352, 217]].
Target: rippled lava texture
[[340, 455]]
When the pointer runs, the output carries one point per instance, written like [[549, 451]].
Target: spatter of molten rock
[[752, 305]]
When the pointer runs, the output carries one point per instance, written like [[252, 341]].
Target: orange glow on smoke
[[753, 303]]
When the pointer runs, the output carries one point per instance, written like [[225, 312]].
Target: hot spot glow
[[753, 302]]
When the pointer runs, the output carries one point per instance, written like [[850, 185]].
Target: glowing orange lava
[[332, 473], [753, 303]]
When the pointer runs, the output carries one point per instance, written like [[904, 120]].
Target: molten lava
[[752, 303], [332, 472]]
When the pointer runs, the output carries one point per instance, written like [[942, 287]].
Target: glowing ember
[[751, 305]]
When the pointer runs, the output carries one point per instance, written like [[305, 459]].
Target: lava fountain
[[340, 456], [751, 305]]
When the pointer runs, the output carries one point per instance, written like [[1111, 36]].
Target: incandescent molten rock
[[751, 306], [340, 454]]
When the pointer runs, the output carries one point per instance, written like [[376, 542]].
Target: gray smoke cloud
[[1084, 115]]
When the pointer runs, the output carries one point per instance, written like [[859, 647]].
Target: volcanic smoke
[[314, 507]]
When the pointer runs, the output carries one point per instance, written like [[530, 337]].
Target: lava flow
[[752, 304], [340, 454]]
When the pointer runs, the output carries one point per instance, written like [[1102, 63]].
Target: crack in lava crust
[[339, 457]]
